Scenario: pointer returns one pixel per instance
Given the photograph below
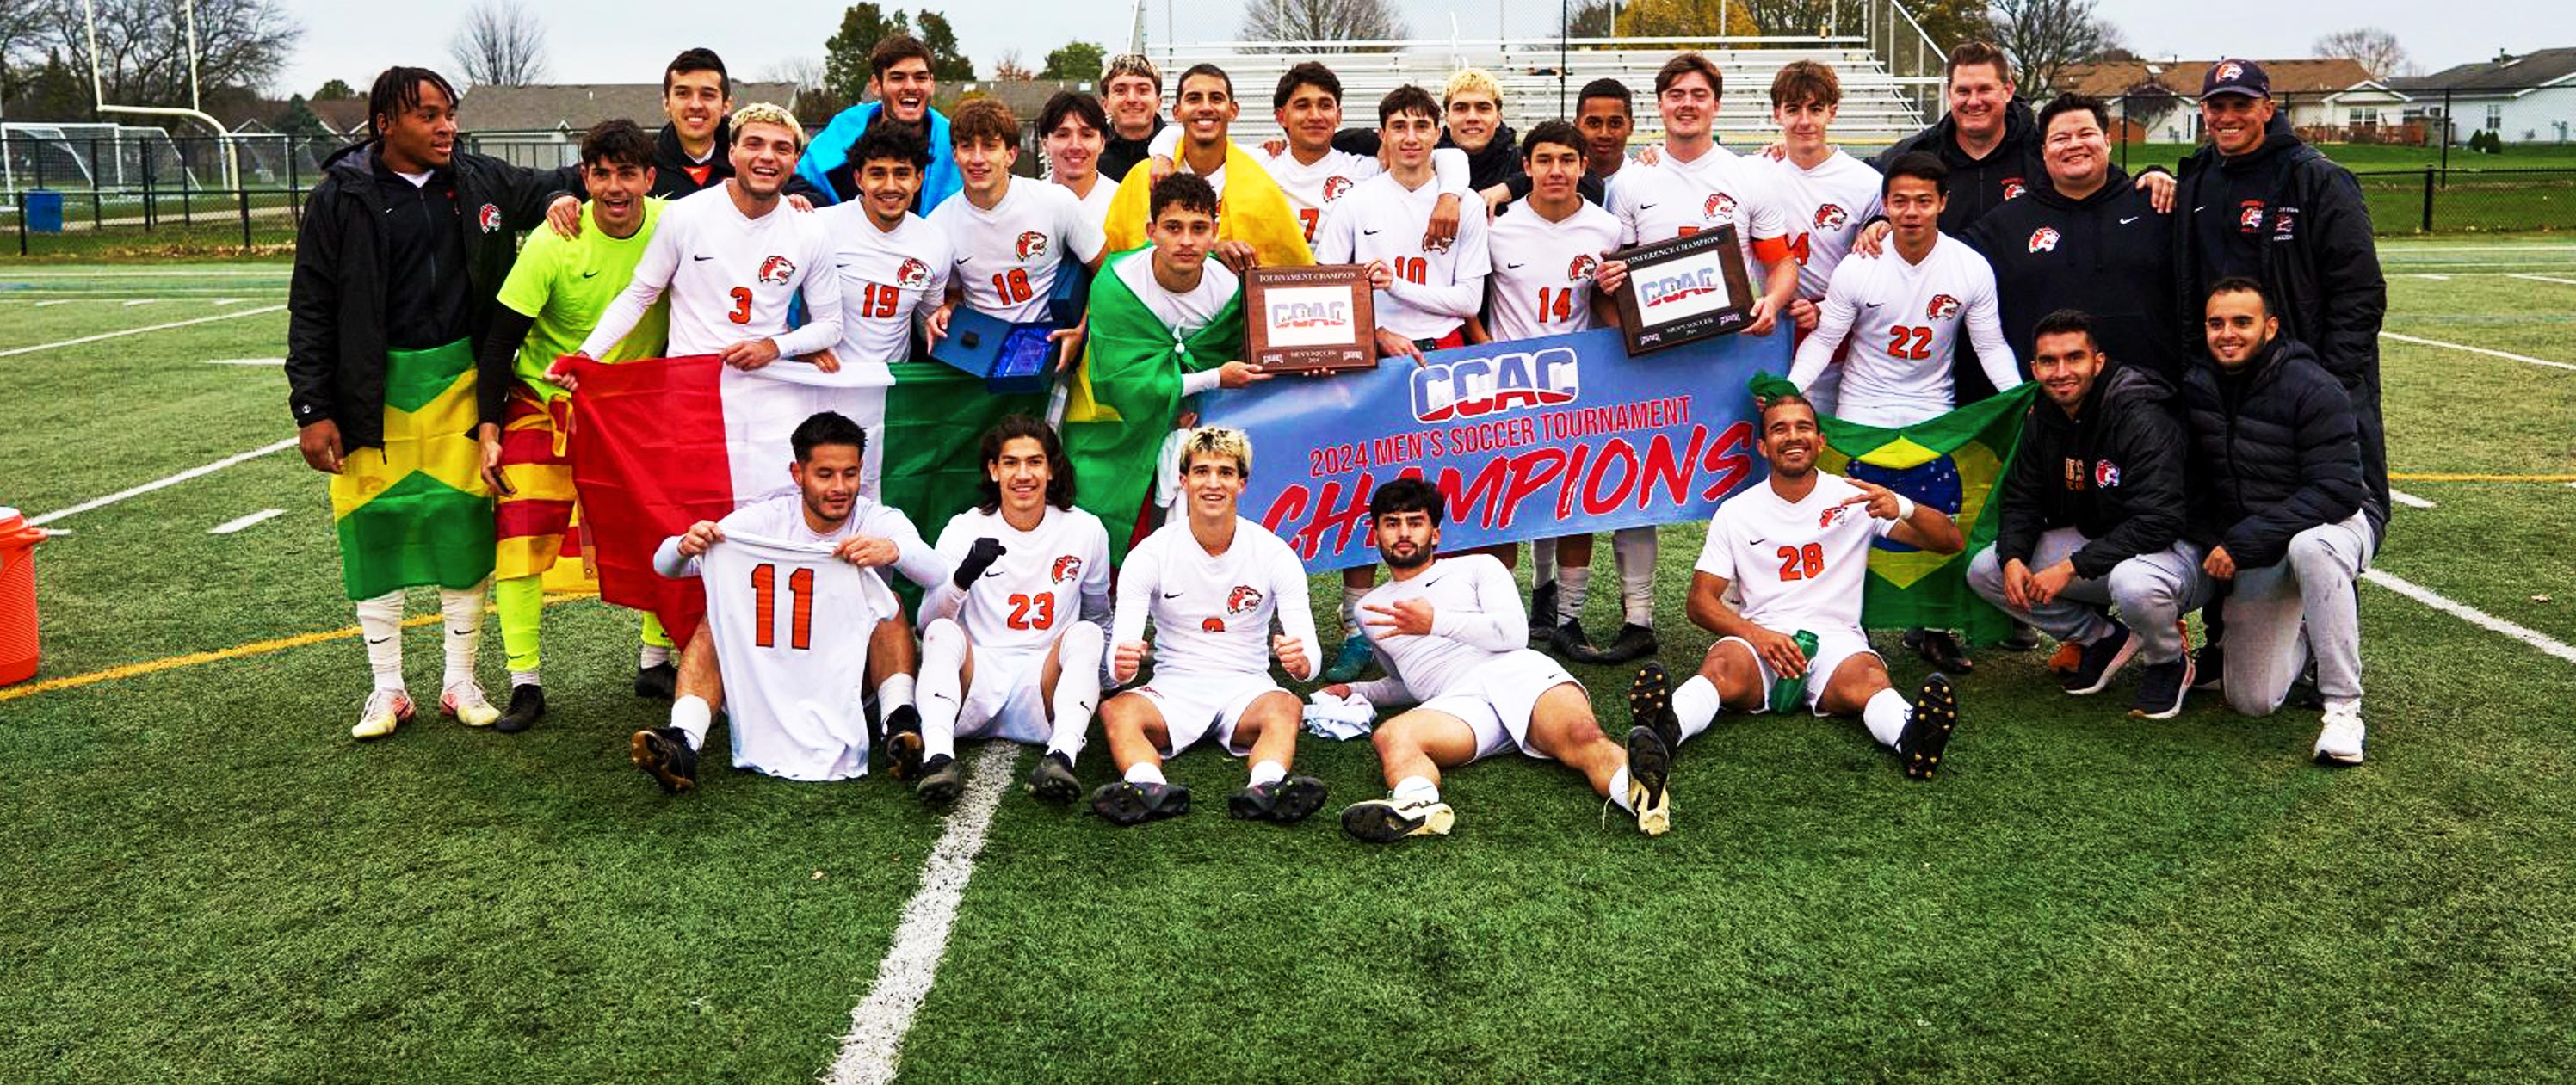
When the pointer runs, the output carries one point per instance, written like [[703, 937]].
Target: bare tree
[[1011, 67], [805, 72], [2376, 50], [1321, 20], [501, 45], [143, 46], [2044, 36]]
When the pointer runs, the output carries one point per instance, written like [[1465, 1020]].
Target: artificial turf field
[[207, 880]]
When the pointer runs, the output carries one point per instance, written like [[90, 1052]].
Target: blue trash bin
[[44, 211]]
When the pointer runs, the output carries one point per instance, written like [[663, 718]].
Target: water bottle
[[1787, 692]]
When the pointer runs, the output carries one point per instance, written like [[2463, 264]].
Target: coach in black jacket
[[2092, 517], [2279, 500]]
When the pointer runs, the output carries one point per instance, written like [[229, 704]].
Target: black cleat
[[2161, 689], [1927, 732], [941, 781], [1286, 801], [1385, 821], [526, 704], [1650, 766], [1633, 643], [1125, 803], [2101, 660], [1940, 648], [2208, 668], [1053, 780], [903, 743], [1542, 614], [2023, 638], [664, 754], [1568, 640], [661, 680], [1650, 704]]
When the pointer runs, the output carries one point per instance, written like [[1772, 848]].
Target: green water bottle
[[1786, 692]]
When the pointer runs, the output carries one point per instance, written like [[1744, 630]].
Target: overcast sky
[[627, 41]]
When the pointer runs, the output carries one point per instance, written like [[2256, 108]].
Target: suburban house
[[2522, 99], [2326, 98], [541, 125]]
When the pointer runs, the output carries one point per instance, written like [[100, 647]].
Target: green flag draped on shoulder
[[1954, 463], [935, 418], [1135, 367]]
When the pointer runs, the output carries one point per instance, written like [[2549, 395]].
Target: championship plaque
[[1309, 319], [1688, 288]]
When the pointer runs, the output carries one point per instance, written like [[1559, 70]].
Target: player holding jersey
[[1427, 297], [798, 613], [1449, 633], [1211, 583], [1011, 645], [893, 269], [1797, 547], [1008, 239]]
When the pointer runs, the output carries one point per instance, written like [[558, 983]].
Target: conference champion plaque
[[1310, 319], [1684, 289]]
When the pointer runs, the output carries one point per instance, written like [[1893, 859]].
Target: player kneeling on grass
[[799, 613], [1450, 633], [1211, 582], [1798, 546], [2092, 516], [1011, 645]]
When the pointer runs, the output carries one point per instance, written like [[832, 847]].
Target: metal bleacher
[[1877, 107]]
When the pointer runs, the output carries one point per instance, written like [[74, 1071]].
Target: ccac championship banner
[[1529, 439]]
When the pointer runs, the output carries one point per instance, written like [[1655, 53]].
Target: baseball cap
[[2236, 77]]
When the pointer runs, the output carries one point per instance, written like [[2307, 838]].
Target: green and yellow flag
[[1115, 427], [416, 512], [1954, 463]]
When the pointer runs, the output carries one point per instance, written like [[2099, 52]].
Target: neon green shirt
[[564, 284]]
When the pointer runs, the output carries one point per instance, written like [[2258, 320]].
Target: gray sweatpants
[[2151, 591], [2278, 615]]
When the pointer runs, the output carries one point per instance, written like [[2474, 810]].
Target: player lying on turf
[[1010, 645], [1449, 632], [1211, 582], [1798, 546], [799, 613]]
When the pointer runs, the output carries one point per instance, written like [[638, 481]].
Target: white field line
[[209, 273], [2546, 279], [230, 526], [148, 487], [168, 326], [245, 361], [2409, 500], [2435, 278], [2477, 350], [43, 304], [877, 1026], [2402, 249], [141, 301], [2471, 615]]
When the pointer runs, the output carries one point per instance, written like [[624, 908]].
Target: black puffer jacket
[[2114, 471], [671, 164], [2274, 452], [2109, 254], [1978, 185], [1494, 165]]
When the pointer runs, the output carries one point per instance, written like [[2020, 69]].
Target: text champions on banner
[[1527, 439]]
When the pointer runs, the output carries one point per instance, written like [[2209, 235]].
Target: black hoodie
[[2274, 452], [1978, 185], [1494, 165], [1118, 154], [672, 178], [2114, 472], [2109, 254]]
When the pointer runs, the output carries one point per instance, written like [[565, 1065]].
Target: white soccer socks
[[1695, 705], [943, 661], [893, 693], [693, 716], [1415, 789], [1886, 714], [1145, 772], [1268, 772], [461, 611], [1077, 687], [380, 624], [1634, 551], [1573, 586], [1619, 789], [1542, 560]]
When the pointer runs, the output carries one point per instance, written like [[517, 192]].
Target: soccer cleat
[[1650, 764], [1633, 643], [2162, 688], [2068, 656], [1927, 731], [1385, 821], [1542, 618], [465, 703], [1286, 801], [1125, 803], [1650, 704], [2101, 660], [1940, 648], [941, 781], [903, 743], [1353, 658], [2023, 638], [661, 680], [386, 709], [2209, 668], [664, 754], [527, 702], [1053, 780], [1568, 640], [2339, 741]]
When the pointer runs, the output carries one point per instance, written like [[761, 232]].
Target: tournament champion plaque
[[1310, 319], [1687, 288]]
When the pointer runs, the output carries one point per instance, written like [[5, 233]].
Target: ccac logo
[[2044, 239], [1476, 387], [1655, 291], [913, 275], [1334, 186], [1242, 599], [1066, 568], [1943, 307], [1310, 314], [1719, 206], [1031, 245], [777, 270], [1581, 268], [1831, 217]]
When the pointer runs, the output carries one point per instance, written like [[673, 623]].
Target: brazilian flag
[[1954, 463], [1129, 393], [416, 511]]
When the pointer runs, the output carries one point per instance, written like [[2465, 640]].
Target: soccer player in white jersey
[[1797, 547], [1693, 184], [1427, 298], [893, 267], [777, 713], [1211, 583], [1011, 644], [1315, 176], [1450, 633], [1072, 129], [1828, 195], [1009, 239]]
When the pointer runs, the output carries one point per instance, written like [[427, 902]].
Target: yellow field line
[[2456, 476], [238, 651]]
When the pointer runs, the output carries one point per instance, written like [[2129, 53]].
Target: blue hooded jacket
[[828, 151]]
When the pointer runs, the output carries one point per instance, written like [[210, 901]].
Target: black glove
[[979, 557]]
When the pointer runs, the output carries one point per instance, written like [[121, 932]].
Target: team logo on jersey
[[2106, 474], [1066, 568], [1581, 268], [1831, 217], [2044, 239], [2013, 188], [491, 218], [1720, 205], [1943, 307], [1212, 625], [1334, 186], [1242, 599], [913, 275], [1031, 245], [1831, 516], [1476, 387], [777, 270], [2249, 216]]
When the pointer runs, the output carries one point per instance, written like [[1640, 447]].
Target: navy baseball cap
[[2236, 77]]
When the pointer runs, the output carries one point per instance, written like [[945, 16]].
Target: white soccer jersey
[[1672, 198], [888, 277], [1006, 258], [1186, 313], [1477, 617], [792, 624], [1046, 578], [1212, 612], [1903, 321], [1095, 207], [1542, 278], [1798, 566], [1315, 190], [1434, 290], [782, 518], [730, 279], [1826, 207]]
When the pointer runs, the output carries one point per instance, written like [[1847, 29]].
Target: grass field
[[208, 881]]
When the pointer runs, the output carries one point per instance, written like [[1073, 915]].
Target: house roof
[[2110, 79], [1026, 97], [556, 107], [2524, 72], [346, 116]]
